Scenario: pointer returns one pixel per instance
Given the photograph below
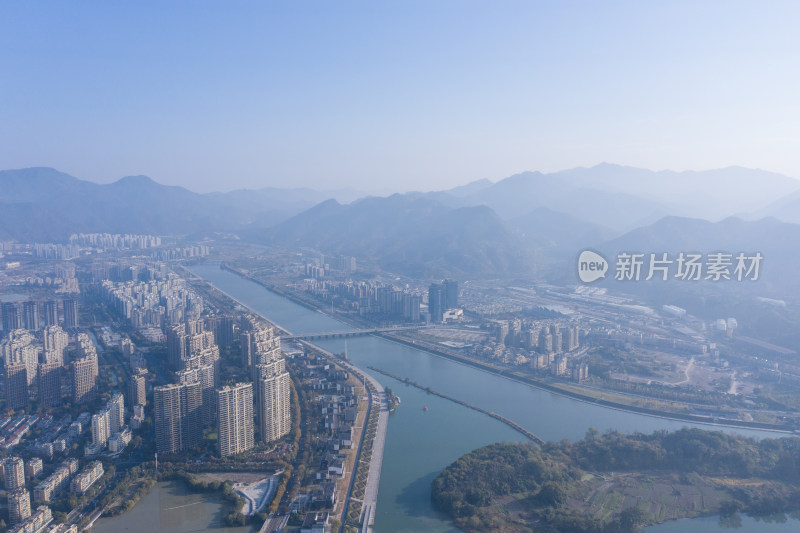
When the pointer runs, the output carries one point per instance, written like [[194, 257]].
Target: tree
[[630, 519], [552, 494]]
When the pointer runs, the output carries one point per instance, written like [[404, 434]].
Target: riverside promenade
[[374, 477], [379, 401]]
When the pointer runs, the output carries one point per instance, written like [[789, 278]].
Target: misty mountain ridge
[[409, 234], [482, 228], [624, 198], [778, 243], [43, 204]]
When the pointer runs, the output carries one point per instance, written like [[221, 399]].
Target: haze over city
[[395, 96], [357, 267]]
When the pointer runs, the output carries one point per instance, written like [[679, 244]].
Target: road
[[732, 389]]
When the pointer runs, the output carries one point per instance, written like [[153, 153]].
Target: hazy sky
[[395, 95]]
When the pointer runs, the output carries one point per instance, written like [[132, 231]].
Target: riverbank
[[363, 487], [269, 287], [554, 388], [421, 443], [529, 380], [362, 494], [578, 486]]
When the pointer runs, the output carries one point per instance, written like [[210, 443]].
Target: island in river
[[616, 482]]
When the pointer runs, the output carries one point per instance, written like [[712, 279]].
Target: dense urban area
[[122, 369]]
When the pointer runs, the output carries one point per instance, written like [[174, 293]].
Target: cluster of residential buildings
[[337, 410], [376, 300], [370, 299], [58, 434], [34, 364], [23, 517], [115, 241], [545, 346], [83, 243], [181, 252], [35, 315], [323, 266], [57, 482], [61, 280], [13, 428], [109, 429], [195, 400], [155, 303], [62, 252]]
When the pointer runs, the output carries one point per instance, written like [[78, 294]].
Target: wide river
[[420, 443]]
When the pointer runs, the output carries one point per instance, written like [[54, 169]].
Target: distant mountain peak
[[135, 180]]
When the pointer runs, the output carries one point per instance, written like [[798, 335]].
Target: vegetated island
[[614, 482]]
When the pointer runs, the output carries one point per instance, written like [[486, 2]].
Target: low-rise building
[[33, 467], [118, 441], [48, 488], [19, 505], [316, 523], [87, 477], [36, 522]]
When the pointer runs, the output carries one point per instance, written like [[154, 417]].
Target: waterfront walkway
[[374, 476], [380, 402]]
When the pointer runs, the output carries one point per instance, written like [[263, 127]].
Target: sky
[[395, 96]]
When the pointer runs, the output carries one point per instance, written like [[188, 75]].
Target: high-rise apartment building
[[33, 467], [101, 429], [167, 406], [19, 506], [206, 376], [70, 313], [30, 314], [14, 473], [49, 380], [55, 342], [223, 328], [450, 294], [137, 389], [16, 386], [19, 347], [12, 317], [274, 405], [189, 340], [116, 413], [235, 409], [176, 347], [436, 303], [84, 379], [50, 313], [178, 416]]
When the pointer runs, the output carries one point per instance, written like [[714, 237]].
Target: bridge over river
[[349, 333]]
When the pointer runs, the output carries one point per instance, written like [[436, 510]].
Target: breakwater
[[510, 423]]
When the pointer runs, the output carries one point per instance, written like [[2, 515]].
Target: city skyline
[[398, 96]]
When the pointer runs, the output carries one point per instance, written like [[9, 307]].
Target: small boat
[[425, 408]]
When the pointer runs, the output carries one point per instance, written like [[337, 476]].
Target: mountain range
[[43, 204], [482, 229]]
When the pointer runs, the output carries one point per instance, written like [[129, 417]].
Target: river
[[420, 443]]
